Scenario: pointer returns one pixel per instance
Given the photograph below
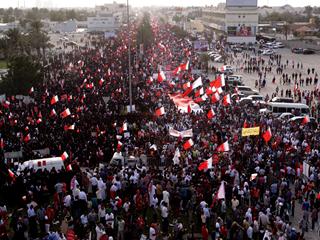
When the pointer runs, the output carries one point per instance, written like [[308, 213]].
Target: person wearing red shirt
[[204, 232]]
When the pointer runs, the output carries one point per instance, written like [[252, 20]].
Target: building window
[[239, 16], [243, 16]]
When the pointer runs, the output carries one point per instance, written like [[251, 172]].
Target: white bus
[[278, 108]]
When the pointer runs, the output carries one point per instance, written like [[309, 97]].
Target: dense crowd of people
[[248, 190]]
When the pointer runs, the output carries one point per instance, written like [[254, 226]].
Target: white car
[[268, 52], [235, 78], [286, 116]]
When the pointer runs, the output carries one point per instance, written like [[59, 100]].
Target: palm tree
[[286, 29], [38, 38], [15, 42]]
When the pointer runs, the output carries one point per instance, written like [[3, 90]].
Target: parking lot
[[308, 61]]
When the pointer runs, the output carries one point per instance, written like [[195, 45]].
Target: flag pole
[[129, 57]]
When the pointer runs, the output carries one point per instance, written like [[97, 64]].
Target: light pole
[[129, 57]]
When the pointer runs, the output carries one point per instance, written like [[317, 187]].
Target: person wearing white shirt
[[101, 193], [166, 196], [110, 219], [126, 206], [84, 220], [31, 212], [83, 196], [152, 233], [102, 213], [94, 183], [67, 201], [250, 232]]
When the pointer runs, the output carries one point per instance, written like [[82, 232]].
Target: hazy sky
[[91, 3]]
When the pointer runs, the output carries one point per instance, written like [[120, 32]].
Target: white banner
[[183, 134]]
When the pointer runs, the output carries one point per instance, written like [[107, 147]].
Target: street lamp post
[[129, 57]]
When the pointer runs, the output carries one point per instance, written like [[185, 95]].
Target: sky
[[139, 3]]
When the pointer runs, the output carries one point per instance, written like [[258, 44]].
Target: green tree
[[179, 32], [15, 43], [144, 33], [38, 38], [204, 59], [286, 29], [23, 73], [308, 10]]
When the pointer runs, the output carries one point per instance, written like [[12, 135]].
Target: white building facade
[[237, 19], [241, 21]]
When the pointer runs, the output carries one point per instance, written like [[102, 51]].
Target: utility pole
[[129, 57]]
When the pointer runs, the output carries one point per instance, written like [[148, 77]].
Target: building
[[6, 26], [237, 19], [60, 27], [109, 18], [103, 24]]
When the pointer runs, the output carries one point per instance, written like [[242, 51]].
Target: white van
[[43, 163], [277, 108]]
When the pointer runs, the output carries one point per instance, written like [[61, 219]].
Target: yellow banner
[[250, 131]]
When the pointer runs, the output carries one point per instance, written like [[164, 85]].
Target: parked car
[[268, 52], [286, 116], [279, 44], [246, 90], [308, 51], [298, 120], [226, 69], [282, 100], [297, 50]]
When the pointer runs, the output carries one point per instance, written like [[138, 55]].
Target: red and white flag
[[267, 135], [199, 92], [39, 120], [69, 127], [161, 76], [27, 138], [224, 147], [149, 80], [31, 90], [197, 83], [124, 127], [187, 92], [188, 144], [226, 100], [203, 98], [69, 168], [160, 111], [176, 71], [54, 100], [305, 120], [215, 97], [6, 104], [253, 176], [119, 145], [64, 156], [101, 81], [65, 113], [53, 113], [205, 165], [186, 85], [211, 114], [185, 66], [219, 82], [11, 174]]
